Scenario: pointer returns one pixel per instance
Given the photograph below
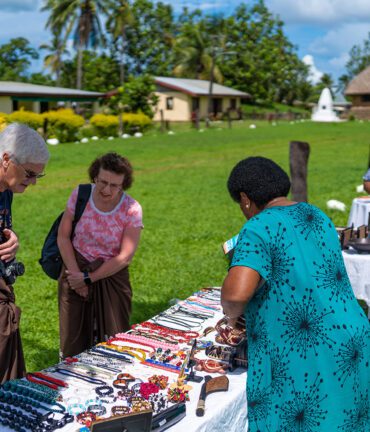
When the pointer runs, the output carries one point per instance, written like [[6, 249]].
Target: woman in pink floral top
[[94, 288]]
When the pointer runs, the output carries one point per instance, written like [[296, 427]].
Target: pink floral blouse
[[99, 234]]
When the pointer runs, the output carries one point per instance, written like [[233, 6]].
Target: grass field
[[180, 180]]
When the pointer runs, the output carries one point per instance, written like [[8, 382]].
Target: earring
[[247, 206]]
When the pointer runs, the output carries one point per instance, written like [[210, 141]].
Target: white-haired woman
[[23, 156]]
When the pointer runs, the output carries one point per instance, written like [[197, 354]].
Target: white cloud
[[340, 39], [314, 74], [18, 5], [320, 11], [340, 61]]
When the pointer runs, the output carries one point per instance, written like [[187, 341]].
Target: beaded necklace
[[14, 398], [79, 376], [147, 340], [46, 380], [36, 389], [111, 353], [131, 351]]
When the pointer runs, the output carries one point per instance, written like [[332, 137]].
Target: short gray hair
[[24, 144]]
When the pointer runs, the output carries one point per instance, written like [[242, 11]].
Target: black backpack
[[51, 260]]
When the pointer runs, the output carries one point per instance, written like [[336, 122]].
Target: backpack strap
[[84, 191]]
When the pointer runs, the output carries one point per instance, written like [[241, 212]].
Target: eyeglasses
[[103, 184], [29, 174]]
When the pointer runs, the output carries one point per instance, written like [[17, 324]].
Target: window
[[195, 104], [365, 98], [15, 105], [169, 103], [233, 104]]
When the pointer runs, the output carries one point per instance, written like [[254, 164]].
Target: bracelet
[[98, 410], [120, 383], [86, 418], [104, 390], [119, 410], [76, 408]]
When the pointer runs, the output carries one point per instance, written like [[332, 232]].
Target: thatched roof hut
[[358, 90]]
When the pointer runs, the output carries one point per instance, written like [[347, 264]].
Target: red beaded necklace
[[45, 380]]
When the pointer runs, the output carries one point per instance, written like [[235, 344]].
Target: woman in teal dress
[[308, 339]]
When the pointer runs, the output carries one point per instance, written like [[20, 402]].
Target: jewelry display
[[113, 378]]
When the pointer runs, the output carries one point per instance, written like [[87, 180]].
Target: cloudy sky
[[323, 30]]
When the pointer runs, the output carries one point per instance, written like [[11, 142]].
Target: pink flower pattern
[[99, 234]]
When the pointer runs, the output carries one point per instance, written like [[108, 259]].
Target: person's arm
[[10, 247], [65, 243], [67, 252], [130, 241], [238, 288]]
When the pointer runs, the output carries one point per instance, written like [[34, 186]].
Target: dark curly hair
[[115, 163], [260, 179]]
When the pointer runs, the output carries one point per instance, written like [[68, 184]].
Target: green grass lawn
[[180, 180]]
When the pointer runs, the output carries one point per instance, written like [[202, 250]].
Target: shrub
[[135, 122], [3, 121], [105, 125], [64, 124], [29, 118], [87, 131]]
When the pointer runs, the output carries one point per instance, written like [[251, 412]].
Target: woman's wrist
[[87, 278]]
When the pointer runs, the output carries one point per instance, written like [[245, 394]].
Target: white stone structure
[[323, 111]]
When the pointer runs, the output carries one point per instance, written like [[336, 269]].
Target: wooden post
[[228, 113], [162, 121], [298, 160]]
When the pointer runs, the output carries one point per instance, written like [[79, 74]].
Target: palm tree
[[81, 17], [120, 17], [53, 60], [194, 53]]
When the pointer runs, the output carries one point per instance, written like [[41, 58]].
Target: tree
[[16, 57], [266, 64], [120, 18], [195, 51], [100, 72], [137, 95], [81, 17], [53, 60], [150, 38], [41, 79]]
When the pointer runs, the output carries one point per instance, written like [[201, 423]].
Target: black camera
[[10, 270]]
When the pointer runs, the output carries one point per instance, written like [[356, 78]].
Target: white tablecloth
[[359, 214], [358, 269]]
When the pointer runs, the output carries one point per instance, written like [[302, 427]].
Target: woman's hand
[[10, 247], [76, 280]]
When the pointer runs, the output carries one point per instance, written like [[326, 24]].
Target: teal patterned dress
[[308, 339]]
